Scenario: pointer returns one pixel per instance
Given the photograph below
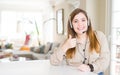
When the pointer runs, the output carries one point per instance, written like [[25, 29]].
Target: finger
[[70, 37], [81, 69], [84, 68]]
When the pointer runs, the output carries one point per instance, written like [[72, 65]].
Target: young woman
[[84, 48]]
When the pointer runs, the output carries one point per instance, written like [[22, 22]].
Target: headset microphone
[[83, 32]]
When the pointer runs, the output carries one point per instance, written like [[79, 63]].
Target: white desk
[[38, 67]]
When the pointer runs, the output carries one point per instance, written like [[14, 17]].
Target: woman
[[84, 48]]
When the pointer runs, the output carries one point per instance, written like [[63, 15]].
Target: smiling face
[[79, 23]]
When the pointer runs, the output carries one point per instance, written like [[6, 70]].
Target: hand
[[71, 42], [84, 68]]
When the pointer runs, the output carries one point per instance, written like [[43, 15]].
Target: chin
[[80, 33]]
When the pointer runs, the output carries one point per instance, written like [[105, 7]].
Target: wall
[[63, 5], [92, 10], [98, 12]]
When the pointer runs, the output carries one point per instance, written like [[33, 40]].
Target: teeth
[[80, 28]]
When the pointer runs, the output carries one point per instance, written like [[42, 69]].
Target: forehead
[[80, 16]]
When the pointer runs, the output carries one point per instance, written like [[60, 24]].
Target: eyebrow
[[81, 19]]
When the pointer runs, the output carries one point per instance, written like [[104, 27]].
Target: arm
[[57, 57], [102, 63]]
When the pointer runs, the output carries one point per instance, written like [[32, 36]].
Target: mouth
[[80, 28]]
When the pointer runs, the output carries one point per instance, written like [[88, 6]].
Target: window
[[15, 25], [115, 43]]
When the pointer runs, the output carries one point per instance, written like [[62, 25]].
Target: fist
[[84, 68], [71, 42]]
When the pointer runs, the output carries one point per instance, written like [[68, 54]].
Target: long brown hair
[[94, 43]]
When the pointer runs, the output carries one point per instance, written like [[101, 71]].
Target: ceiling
[[28, 4]]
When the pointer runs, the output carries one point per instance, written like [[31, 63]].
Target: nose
[[79, 23]]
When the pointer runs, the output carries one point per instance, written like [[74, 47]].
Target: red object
[[26, 43], [27, 39]]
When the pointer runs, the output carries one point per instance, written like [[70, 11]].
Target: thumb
[[70, 37]]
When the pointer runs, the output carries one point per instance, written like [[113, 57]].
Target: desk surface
[[38, 67]]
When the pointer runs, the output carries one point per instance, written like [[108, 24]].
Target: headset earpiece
[[71, 26], [88, 22]]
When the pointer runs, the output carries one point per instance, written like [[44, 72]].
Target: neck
[[82, 38]]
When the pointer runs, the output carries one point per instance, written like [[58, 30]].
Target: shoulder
[[100, 36], [99, 33]]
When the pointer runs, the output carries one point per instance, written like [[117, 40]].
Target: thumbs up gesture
[[69, 43]]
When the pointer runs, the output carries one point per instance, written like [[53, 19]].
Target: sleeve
[[57, 57], [102, 63]]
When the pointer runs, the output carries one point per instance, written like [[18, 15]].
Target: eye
[[83, 20], [75, 21]]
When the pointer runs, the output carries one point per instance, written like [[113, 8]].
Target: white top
[[38, 67]]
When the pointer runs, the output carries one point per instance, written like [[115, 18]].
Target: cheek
[[85, 25], [74, 26]]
